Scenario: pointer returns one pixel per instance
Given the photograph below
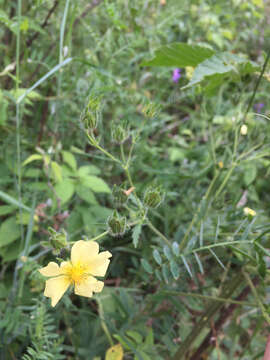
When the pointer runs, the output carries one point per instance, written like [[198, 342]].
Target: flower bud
[[119, 196], [117, 225], [58, 240], [153, 197], [120, 133], [89, 119]]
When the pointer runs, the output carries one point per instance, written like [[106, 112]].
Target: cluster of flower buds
[[120, 132], [153, 197], [91, 114], [117, 225]]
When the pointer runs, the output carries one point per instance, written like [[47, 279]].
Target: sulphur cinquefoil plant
[[134, 189]]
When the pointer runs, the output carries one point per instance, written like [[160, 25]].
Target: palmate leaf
[[179, 55]]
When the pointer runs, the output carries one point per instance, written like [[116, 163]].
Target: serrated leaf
[[88, 170], [157, 256], [136, 232], [179, 55], [219, 65], [115, 352], [86, 194], [69, 159], [174, 269], [147, 267], [175, 248], [167, 252], [9, 231], [64, 190], [95, 183]]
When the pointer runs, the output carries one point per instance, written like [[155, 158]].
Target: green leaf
[[64, 190], [186, 266], [69, 159], [220, 65], [95, 183], [10, 252], [157, 256], [9, 199], [179, 55], [147, 267], [174, 269], [32, 158], [165, 273], [57, 171], [167, 252], [136, 232], [250, 174], [6, 209], [175, 248], [9, 231], [135, 336], [88, 170], [86, 194]]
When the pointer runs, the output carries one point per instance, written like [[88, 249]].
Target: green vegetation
[[142, 125]]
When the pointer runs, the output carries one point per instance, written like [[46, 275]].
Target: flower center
[[77, 273]]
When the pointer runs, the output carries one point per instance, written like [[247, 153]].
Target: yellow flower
[[220, 164], [248, 211], [85, 263], [244, 129]]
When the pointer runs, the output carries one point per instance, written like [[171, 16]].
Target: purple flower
[[258, 107], [176, 75]]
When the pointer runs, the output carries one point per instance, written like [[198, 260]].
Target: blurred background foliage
[[188, 141]]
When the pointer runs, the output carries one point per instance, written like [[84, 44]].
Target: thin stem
[[257, 297], [18, 120], [225, 243], [122, 153], [100, 236], [257, 85], [105, 152], [225, 180], [155, 230], [185, 239]]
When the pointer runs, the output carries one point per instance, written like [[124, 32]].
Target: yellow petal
[[86, 287], [65, 267], [56, 287], [98, 286], [52, 269], [99, 264], [84, 251]]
